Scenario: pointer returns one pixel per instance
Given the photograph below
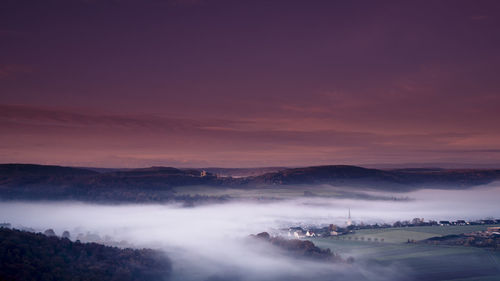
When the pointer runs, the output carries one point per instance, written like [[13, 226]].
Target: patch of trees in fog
[[301, 248]]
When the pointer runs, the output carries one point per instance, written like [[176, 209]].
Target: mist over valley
[[212, 241]]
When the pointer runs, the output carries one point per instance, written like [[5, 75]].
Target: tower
[[349, 221]]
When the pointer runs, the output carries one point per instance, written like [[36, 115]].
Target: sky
[[197, 83]]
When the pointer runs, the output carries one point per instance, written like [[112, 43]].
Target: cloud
[[455, 151], [45, 116], [9, 71], [50, 135], [284, 132]]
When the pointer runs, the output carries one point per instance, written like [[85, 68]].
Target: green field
[[402, 234], [275, 191], [280, 192], [426, 262]]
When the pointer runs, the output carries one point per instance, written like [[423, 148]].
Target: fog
[[211, 242]]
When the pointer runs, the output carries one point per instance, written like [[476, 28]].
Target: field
[[402, 234], [288, 192], [281, 193], [425, 262]]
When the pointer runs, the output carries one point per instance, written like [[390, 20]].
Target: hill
[[242, 172], [400, 179], [25, 174], [39, 182], [156, 184], [300, 248], [34, 256]]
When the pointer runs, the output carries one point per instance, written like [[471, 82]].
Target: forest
[[34, 256]]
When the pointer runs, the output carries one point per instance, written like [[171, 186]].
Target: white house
[[310, 234]]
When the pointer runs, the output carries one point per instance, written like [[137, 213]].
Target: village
[[298, 232]]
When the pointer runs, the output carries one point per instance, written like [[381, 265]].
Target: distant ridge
[[402, 179], [25, 174], [243, 172], [31, 181], [443, 165]]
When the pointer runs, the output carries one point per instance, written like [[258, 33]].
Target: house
[[310, 233], [298, 234], [460, 222], [443, 223]]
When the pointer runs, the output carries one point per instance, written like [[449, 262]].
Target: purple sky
[[128, 83]]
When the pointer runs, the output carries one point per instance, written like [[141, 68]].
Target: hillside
[[401, 179], [300, 248], [156, 184], [242, 172], [336, 174], [34, 256], [25, 174], [38, 182]]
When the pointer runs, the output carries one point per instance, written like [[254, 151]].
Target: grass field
[[282, 193], [425, 262], [288, 192], [277, 192], [402, 234]]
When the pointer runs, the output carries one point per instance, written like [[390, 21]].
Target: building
[[460, 222], [298, 234], [310, 233], [349, 221], [443, 223]]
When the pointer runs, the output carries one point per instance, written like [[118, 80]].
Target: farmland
[[422, 262], [289, 192], [402, 234]]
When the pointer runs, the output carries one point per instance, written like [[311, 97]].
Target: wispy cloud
[[40, 134], [8, 71]]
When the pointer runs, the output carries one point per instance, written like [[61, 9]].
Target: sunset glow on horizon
[[199, 83]]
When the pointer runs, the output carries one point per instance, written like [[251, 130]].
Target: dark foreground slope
[[157, 184], [32, 256]]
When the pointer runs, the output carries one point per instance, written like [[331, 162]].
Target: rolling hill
[[29, 181]]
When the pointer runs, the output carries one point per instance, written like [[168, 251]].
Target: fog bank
[[212, 241]]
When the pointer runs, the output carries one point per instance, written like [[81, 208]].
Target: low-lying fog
[[210, 242]]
